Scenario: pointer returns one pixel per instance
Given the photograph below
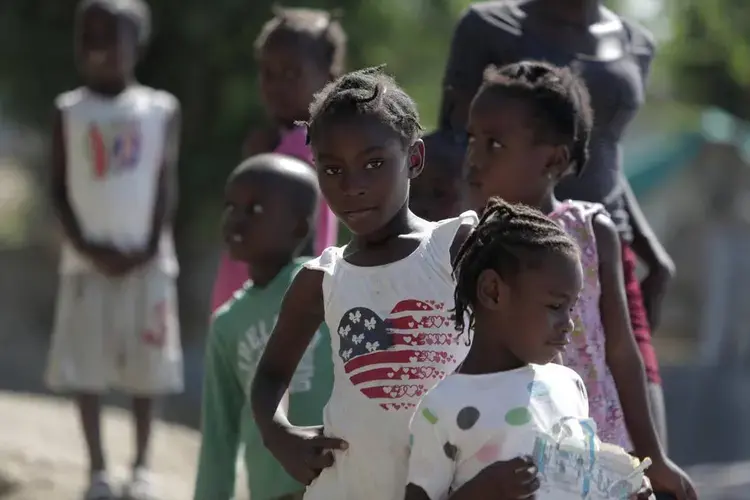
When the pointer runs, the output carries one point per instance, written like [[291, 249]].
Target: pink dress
[[586, 354], [232, 274]]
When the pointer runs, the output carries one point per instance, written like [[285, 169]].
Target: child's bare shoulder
[[161, 98], [70, 98]]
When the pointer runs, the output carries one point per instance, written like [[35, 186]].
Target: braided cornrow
[[559, 101], [507, 238], [368, 91]]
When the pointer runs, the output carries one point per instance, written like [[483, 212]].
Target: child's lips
[[355, 215], [560, 343]]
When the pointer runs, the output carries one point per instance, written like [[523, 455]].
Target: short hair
[[295, 178], [319, 30], [442, 147], [559, 101], [371, 92], [135, 12], [507, 239]]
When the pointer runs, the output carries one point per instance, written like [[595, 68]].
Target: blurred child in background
[[299, 51], [270, 205], [436, 194], [114, 158]]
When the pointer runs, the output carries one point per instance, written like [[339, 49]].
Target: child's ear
[[416, 159], [303, 228], [492, 291], [558, 162]]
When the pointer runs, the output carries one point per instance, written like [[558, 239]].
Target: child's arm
[[103, 257], [622, 354], [625, 363], [517, 478], [303, 452], [165, 205], [222, 403], [648, 247]]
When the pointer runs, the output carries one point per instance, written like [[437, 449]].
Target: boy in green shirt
[[270, 209]]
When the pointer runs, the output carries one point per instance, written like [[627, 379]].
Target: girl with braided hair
[[518, 278], [386, 296], [529, 126]]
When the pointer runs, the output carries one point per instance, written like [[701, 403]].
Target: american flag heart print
[[396, 360]]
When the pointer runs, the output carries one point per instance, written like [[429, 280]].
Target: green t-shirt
[[239, 332]]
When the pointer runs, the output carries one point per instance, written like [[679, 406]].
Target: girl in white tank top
[[387, 298]]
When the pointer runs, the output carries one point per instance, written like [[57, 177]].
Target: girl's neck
[[484, 357], [110, 89], [404, 222], [547, 204], [263, 273]]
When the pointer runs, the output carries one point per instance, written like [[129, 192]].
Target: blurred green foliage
[[709, 53], [202, 51]]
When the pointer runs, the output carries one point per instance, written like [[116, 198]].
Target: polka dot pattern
[[467, 417], [429, 416], [450, 451], [518, 416]]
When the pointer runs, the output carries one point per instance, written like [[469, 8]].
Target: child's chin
[[239, 254]]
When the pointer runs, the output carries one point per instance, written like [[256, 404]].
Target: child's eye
[[332, 170], [494, 144], [256, 208], [374, 164], [555, 307]]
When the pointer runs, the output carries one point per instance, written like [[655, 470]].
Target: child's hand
[[304, 451], [115, 263], [510, 480], [666, 477]]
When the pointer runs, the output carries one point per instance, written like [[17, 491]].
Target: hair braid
[[506, 239], [368, 91]]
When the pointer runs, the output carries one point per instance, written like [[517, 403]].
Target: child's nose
[[569, 324], [354, 184]]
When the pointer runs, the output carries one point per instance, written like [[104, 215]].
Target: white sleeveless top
[[115, 149], [393, 338]]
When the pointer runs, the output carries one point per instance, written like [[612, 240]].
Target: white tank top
[[393, 338], [114, 152]]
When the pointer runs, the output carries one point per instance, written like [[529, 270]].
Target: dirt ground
[[42, 455]]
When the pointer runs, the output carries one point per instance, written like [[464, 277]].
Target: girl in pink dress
[[529, 126], [299, 51]]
